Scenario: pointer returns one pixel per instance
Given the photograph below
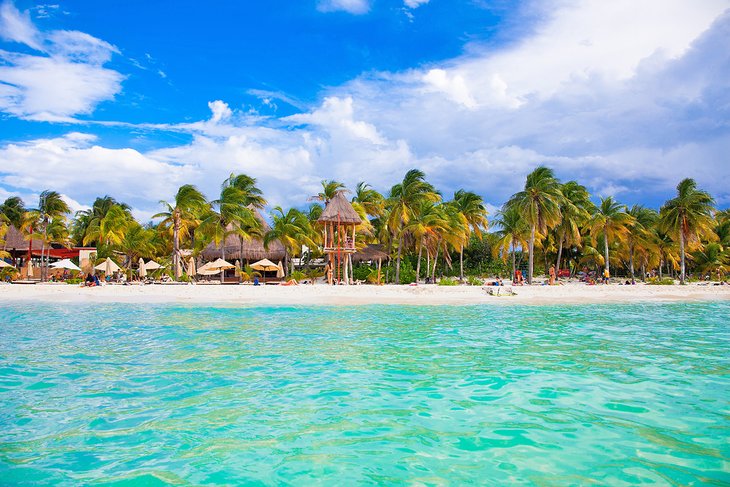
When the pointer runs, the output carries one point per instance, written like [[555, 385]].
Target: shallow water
[[161, 394]]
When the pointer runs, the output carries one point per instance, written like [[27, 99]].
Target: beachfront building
[[26, 249], [339, 220], [244, 251]]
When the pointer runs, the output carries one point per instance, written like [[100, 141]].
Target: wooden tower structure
[[339, 220]]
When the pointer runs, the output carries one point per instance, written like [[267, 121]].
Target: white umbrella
[[152, 265], [219, 264], [5, 264], [264, 265], [279, 270], [65, 264], [191, 266], [108, 266], [205, 270], [142, 270]]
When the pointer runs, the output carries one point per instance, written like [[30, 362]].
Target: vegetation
[[546, 223]]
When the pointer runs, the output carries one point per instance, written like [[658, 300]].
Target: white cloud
[[66, 79], [17, 27], [220, 111], [634, 100], [356, 7], [414, 3]]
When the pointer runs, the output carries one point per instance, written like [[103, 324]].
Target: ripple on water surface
[[162, 394]]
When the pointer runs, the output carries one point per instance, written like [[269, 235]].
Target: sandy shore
[[359, 295]]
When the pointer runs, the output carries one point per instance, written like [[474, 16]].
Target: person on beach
[[90, 280], [518, 280], [606, 276], [552, 275], [329, 273]]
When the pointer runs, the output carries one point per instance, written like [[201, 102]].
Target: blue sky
[[134, 99]]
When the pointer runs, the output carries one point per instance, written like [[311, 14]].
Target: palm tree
[[405, 198], [639, 230], [251, 194], [50, 207], [471, 206], [182, 215], [229, 215], [137, 242], [292, 229], [372, 202], [512, 232], [329, 189], [427, 223], [575, 210], [539, 205], [712, 259], [13, 208], [85, 219], [109, 230], [688, 217], [609, 221]]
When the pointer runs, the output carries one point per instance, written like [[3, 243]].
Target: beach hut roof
[[241, 249], [371, 252], [338, 209], [15, 240]]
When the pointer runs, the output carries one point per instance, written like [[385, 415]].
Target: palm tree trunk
[[605, 248], [43, 251], [560, 253], [661, 268], [176, 247], [681, 253], [532, 254], [428, 262], [435, 260], [461, 263], [223, 256], [418, 263], [514, 260], [643, 272], [631, 258], [397, 260]]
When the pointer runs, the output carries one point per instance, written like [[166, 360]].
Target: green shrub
[[361, 272], [665, 281], [474, 281], [298, 275], [75, 281], [449, 281]]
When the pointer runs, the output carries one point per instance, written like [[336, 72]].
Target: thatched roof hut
[[370, 253], [237, 248], [339, 210], [16, 241]]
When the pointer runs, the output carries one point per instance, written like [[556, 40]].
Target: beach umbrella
[[142, 269], [279, 270], [219, 264], [152, 265], [5, 264], [65, 264], [264, 265], [108, 266], [191, 266], [205, 270]]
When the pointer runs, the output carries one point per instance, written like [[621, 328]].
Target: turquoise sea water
[[161, 394]]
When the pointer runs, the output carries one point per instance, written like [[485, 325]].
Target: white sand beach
[[320, 294]]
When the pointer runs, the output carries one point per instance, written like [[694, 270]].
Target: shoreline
[[323, 295]]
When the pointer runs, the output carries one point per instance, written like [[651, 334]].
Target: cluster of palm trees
[[549, 219], [557, 216]]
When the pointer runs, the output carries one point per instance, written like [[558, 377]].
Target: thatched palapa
[[340, 210], [370, 253], [252, 250], [16, 241]]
